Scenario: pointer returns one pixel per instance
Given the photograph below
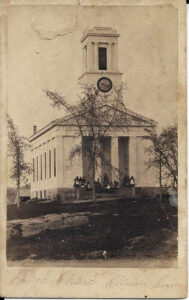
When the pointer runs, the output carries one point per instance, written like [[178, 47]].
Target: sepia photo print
[[93, 132]]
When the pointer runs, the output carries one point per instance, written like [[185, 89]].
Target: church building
[[54, 172]]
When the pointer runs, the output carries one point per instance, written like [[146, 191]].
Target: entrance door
[[123, 146], [106, 157]]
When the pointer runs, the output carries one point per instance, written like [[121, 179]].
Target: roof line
[[69, 116]]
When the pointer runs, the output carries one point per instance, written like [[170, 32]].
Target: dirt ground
[[143, 231], [98, 263]]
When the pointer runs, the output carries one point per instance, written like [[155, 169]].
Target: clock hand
[[104, 84]]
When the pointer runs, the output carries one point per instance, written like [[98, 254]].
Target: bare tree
[[95, 115], [16, 146], [163, 153]]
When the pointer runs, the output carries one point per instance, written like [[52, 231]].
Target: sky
[[45, 52]]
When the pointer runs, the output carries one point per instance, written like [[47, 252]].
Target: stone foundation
[[67, 195], [150, 191]]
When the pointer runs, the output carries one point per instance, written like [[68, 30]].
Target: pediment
[[123, 118]]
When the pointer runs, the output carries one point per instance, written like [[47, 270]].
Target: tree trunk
[[78, 193], [93, 183], [160, 177], [17, 199]]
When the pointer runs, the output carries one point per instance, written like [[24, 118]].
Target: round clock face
[[104, 84]]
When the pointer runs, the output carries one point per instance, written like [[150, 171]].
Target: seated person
[[116, 184], [126, 180], [108, 188], [132, 181], [83, 182], [88, 186]]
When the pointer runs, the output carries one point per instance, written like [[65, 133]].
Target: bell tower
[[100, 58]]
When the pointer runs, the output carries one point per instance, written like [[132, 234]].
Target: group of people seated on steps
[[106, 185]]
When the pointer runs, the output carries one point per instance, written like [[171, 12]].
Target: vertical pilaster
[[84, 58], [89, 56], [109, 57], [52, 161], [115, 56], [35, 183], [115, 158], [74, 167], [47, 150], [59, 161], [33, 175], [96, 56], [43, 163], [92, 56], [40, 167], [36, 168], [133, 157]]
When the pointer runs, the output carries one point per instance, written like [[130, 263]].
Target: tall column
[[109, 57], [92, 56], [133, 157], [96, 56], [85, 58], [112, 56], [89, 56], [115, 158], [115, 56]]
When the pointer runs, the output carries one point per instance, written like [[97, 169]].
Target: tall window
[[37, 168], [45, 159], [102, 58], [49, 163], [54, 161], [41, 166], [33, 169]]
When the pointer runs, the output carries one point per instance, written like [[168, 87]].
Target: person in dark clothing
[[76, 182], [98, 186], [132, 186], [126, 180], [116, 183], [83, 182], [106, 180]]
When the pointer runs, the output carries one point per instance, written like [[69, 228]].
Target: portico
[[114, 161]]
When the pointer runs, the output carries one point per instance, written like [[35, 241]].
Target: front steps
[[123, 192]]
